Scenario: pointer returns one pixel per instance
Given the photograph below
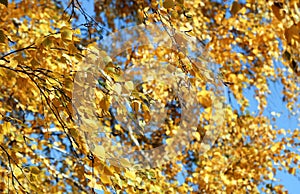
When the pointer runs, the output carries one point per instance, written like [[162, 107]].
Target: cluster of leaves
[[44, 150]]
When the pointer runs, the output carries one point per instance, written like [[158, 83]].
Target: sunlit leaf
[[66, 33], [130, 174], [99, 151]]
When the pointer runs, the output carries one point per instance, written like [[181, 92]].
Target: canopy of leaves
[[43, 44]]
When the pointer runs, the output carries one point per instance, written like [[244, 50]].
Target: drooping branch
[[16, 51], [12, 172]]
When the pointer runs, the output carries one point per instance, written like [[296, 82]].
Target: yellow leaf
[[6, 128], [241, 77], [196, 135], [105, 179], [34, 170], [66, 33], [99, 151], [270, 175], [292, 171], [97, 186], [276, 7], [129, 85], [47, 42], [125, 163], [117, 88], [13, 63], [183, 29], [130, 175], [243, 10], [160, 4], [235, 8], [109, 170], [77, 31], [169, 141], [275, 147], [18, 172], [292, 33], [232, 78], [168, 4], [204, 98]]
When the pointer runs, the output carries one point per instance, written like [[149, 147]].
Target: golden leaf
[[66, 33], [125, 162], [292, 171], [2, 37], [34, 170], [235, 8], [130, 174], [13, 63], [105, 179], [168, 4], [197, 136], [129, 86], [99, 151], [276, 8]]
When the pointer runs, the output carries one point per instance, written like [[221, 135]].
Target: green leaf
[[4, 2]]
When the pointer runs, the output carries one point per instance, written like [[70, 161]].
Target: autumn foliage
[[58, 128]]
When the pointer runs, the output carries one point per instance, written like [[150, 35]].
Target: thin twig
[[15, 51], [13, 176]]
